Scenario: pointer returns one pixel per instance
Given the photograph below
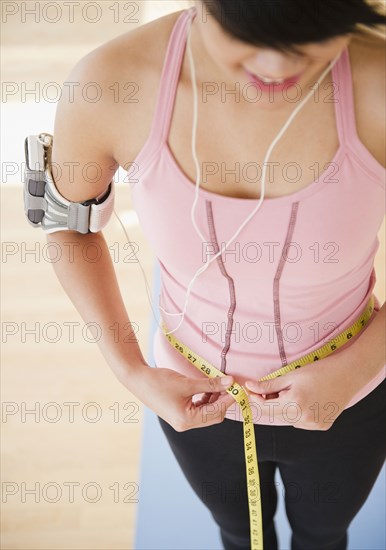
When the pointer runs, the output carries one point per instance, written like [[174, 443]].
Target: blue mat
[[169, 512]]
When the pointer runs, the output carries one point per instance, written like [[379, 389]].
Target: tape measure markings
[[240, 395]]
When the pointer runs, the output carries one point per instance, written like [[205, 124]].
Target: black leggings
[[327, 475]]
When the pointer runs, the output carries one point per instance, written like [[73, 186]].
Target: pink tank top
[[299, 273]]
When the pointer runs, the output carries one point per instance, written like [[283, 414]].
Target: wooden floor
[[81, 449], [70, 471]]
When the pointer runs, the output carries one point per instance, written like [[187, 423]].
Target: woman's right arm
[[81, 137], [83, 166]]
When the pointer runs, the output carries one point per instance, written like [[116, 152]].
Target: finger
[[213, 413], [208, 385], [213, 397], [203, 399], [271, 396], [268, 386], [270, 409]]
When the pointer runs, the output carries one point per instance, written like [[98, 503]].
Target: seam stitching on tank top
[[276, 284], [231, 285]]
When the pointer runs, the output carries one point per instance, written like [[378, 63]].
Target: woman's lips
[[267, 86]]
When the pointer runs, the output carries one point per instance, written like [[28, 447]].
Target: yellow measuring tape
[[240, 395]]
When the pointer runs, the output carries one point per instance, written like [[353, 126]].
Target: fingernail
[[226, 380]]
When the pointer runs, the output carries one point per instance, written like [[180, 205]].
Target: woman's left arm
[[312, 397]]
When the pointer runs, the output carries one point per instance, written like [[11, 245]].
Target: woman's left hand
[[310, 398]]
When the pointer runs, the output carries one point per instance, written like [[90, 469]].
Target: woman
[[301, 269]]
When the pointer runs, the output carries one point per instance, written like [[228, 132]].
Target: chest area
[[320, 237], [232, 144]]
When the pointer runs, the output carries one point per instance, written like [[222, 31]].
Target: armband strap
[[45, 207]]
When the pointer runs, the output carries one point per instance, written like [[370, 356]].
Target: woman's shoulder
[[125, 74], [138, 51], [368, 56], [368, 63]]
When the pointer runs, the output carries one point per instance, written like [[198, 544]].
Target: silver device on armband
[[45, 207]]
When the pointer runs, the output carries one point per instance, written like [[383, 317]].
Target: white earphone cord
[[194, 153]]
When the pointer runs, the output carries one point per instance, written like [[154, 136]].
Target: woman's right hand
[[170, 395]]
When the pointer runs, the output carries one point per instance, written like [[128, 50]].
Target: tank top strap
[[343, 98], [170, 77], [341, 75]]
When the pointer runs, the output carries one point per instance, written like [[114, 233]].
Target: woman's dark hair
[[283, 24]]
